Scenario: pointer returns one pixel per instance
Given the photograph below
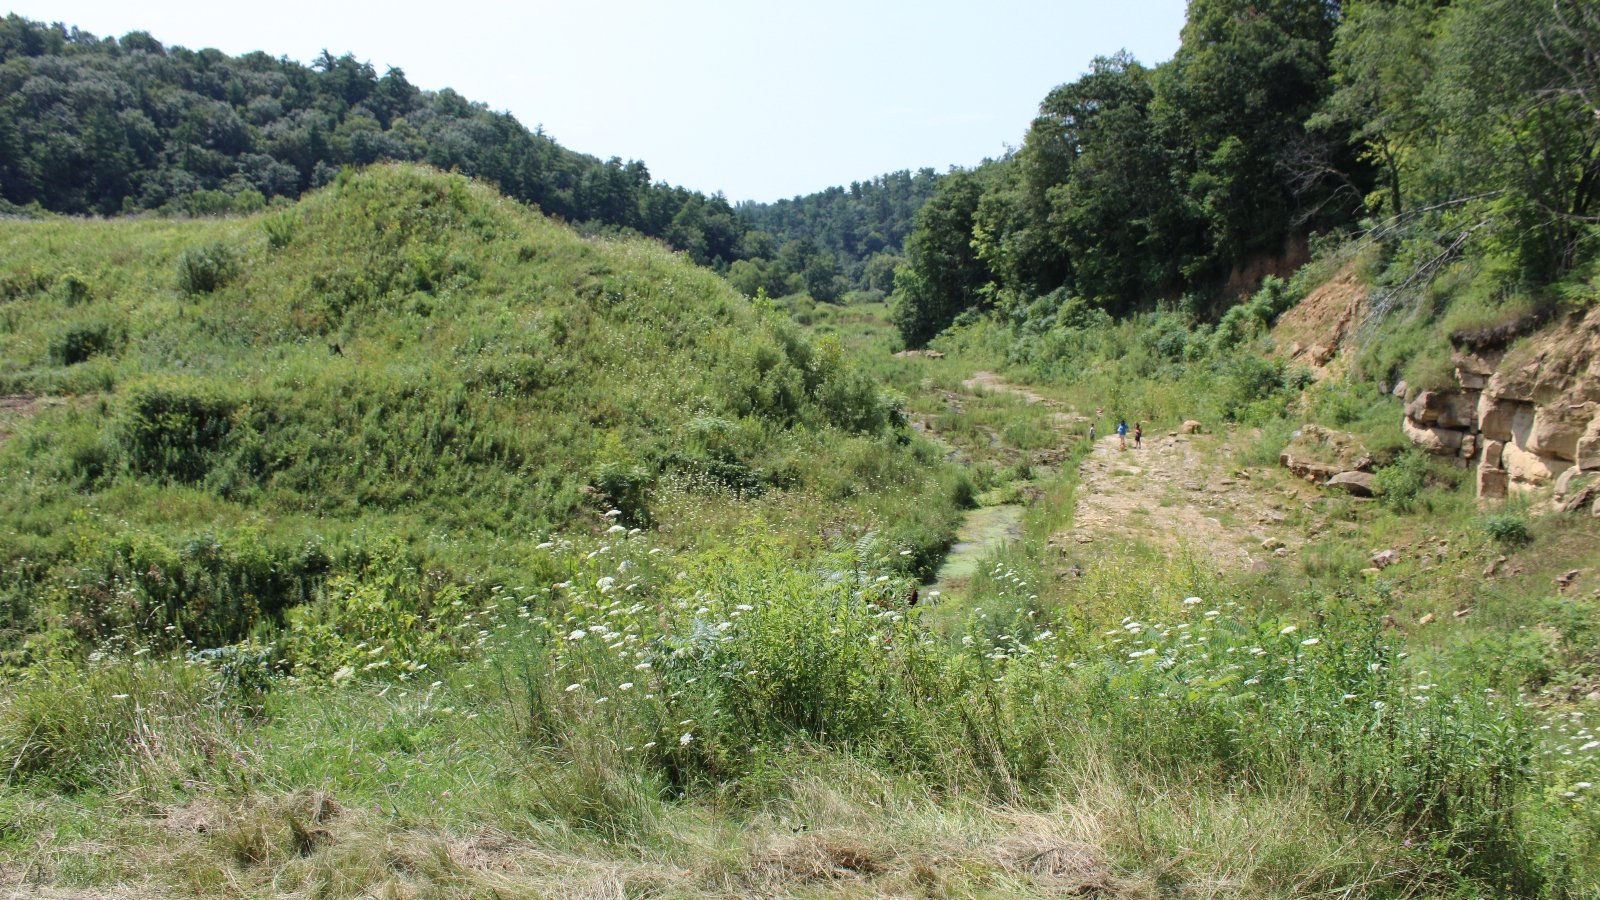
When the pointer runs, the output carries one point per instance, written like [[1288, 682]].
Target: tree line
[[106, 126], [1470, 126]]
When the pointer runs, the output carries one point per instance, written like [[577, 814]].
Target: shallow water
[[984, 531]]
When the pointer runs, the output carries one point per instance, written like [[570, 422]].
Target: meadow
[[404, 543]]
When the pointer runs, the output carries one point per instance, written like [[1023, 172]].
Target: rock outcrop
[[1524, 417], [1319, 454]]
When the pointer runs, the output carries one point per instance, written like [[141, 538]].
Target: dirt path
[[1177, 493]]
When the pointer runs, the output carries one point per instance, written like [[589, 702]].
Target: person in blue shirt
[[1122, 432]]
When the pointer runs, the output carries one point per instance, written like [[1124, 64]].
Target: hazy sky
[[760, 100]]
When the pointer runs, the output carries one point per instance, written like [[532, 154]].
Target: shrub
[[281, 229], [73, 288], [172, 430], [1510, 529], [202, 270], [1398, 485], [83, 340]]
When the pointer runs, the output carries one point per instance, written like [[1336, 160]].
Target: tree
[[943, 276]]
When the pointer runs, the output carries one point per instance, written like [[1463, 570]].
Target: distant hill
[[93, 125]]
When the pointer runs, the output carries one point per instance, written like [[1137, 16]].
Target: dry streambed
[[1178, 493]]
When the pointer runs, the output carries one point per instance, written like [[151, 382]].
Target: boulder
[[1585, 493], [1317, 454], [1438, 441], [1588, 456], [1557, 429], [1190, 427], [1492, 483], [1444, 409], [1400, 390], [1531, 469], [1359, 484], [1383, 559], [1491, 453]]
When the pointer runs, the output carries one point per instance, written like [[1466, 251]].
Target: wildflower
[[344, 674], [545, 546], [435, 684], [687, 737], [625, 686], [572, 687], [641, 667], [744, 607], [577, 635], [605, 584], [649, 744], [1288, 629], [613, 513], [1191, 601], [1310, 642], [615, 529], [1589, 746], [119, 696]]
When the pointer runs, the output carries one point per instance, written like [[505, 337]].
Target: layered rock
[[1320, 454], [1523, 418]]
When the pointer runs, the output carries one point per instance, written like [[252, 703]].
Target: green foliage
[[382, 616], [78, 342], [1399, 484], [174, 429], [203, 270], [281, 229], [1510, 529], [396, 369]]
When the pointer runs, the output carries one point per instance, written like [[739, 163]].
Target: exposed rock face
[[1318, 454], [1523, 418]]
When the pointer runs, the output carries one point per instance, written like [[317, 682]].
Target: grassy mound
[[405, 372]]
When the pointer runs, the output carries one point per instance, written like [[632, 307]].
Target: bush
[[281, 229], [1510, 529], [203, 270], [83, 340], [1398, 485], [173, 430]]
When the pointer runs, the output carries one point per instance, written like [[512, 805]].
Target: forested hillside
[[841, 237], [1450, 131], [118, 125]]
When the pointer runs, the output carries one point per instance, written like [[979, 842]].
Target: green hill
[[221, 415]]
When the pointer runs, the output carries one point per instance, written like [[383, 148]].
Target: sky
[[759, 100]]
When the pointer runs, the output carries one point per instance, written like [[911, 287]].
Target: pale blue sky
[[759, 100]]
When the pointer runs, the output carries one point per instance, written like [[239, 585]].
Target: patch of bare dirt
[[1314, 331], [16, 407], [1176, 493]]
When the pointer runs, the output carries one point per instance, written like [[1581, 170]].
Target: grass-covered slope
[[208, 419]]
